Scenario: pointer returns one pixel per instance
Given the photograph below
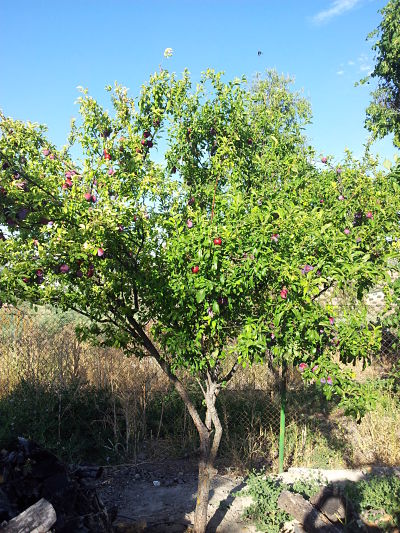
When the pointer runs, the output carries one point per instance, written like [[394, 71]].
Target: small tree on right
[[383, 113]]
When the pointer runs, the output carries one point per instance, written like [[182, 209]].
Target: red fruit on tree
[[100, 252], [146, 134], [93, 198], [143, 142], [195, 269], [149, 144], [64, 268], [46, 152], [284, 293], [88, 196], [324, 159], [106, 155], [217, 241]]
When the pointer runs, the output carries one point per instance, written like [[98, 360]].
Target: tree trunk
[[203, 490], [208, 449], [208, 453]]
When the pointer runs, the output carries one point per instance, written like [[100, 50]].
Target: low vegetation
[[375, 500]]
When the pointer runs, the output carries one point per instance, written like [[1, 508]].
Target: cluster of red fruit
[[89, 197], [46, 152], [146, 141], [68, 181]]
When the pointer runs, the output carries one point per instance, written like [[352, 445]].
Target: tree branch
[[150, 347], [326, 288], [230, 374], [29, 179]]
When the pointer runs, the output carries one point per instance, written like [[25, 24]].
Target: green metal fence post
[[282, 424]]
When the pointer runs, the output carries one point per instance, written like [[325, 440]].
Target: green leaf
[[200, 295]]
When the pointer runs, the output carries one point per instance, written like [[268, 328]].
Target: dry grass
[[137, 412], [376, 440]]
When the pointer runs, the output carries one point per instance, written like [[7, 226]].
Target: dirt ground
[[160, 498]]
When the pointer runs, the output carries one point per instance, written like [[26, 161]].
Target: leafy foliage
[[264, 511], [376, 493], [383, 113]]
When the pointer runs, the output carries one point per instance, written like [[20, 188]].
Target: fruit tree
[[194, 226]]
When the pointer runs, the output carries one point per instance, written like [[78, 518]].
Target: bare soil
[[161, 497]]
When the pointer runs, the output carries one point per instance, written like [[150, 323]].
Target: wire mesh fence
[[133, 410]]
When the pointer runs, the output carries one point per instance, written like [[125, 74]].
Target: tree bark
[[208, 452], [203, 486]]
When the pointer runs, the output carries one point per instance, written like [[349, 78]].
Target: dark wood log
[[38, 518], [331, 502], [312, 520]]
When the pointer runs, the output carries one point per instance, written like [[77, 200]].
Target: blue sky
[[49, 48]]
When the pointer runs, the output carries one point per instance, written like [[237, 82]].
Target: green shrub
[[376, 493], [372, 498], [68, 422], [264, 511]]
